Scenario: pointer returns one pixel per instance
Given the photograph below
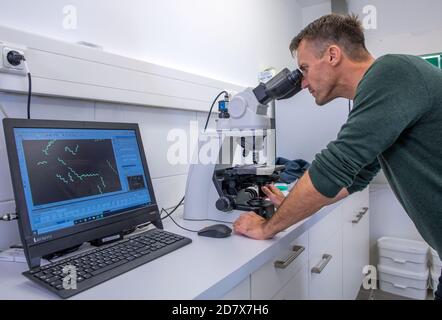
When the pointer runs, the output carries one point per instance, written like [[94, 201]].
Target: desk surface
[[207, 268]]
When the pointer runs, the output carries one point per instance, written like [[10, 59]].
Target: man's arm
[[303, 201], [364, 177]]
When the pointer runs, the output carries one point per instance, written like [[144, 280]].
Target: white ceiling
[[308, 3]]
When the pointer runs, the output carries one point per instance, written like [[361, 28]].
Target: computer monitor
[[76, 182]]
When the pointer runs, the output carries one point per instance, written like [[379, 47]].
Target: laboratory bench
[[320, 257]]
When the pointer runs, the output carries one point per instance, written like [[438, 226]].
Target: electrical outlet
[[6, 66]]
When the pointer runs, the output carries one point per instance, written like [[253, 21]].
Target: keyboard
[[100, 264]]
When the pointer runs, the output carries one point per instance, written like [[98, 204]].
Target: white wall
[[313, 10], [223, 39], [303, 128], [403, 26]]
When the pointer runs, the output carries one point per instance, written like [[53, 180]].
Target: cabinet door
[[276, 273], [325, 266], [355, 242], [240, 292], [296, 288]]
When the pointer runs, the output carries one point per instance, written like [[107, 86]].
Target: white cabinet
[[240, 292], [276, 273], [325, 258], [355, 244], [325, 262], [297, 288]]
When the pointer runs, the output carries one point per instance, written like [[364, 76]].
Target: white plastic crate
[[403, 283], [403, 254], [434, 280], [436, 263]]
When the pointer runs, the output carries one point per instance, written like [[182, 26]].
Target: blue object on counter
[[294, 169]]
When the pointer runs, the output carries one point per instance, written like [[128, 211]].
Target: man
[[395, 124]]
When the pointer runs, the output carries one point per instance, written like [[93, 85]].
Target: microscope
[[233, 162]]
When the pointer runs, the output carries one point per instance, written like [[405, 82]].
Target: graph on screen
[[62, 170]]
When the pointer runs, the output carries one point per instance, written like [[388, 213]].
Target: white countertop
[[207, 268]]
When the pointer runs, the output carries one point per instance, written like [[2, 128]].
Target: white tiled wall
[[154, 124], [168, 180], [304, 129]]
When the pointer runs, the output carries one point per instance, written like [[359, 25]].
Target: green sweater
[[396, 125]]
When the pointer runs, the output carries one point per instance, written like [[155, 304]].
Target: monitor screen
[[73, 176], [77, 178]]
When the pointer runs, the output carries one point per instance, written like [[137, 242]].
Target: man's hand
[[302, 201], [251, 225], [274, 194]]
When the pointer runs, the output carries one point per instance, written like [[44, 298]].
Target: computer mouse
[[215, 231]]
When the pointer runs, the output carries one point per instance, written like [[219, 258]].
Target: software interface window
[[73, 176]]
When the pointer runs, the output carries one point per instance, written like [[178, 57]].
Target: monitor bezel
[[76, 235]]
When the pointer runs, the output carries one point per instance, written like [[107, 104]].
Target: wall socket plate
[[5, 66]]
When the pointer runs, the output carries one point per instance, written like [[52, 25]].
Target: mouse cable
[[173, 210], [178, 224], [169, 214], [144, 225]]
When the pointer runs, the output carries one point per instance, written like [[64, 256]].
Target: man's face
[[319, 76]]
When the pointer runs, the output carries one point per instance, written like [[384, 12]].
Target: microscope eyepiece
[[282, 86]]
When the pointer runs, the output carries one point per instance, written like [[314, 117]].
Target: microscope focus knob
[[224, 204]]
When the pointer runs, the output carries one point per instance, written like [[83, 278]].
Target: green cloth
[[396, 124]]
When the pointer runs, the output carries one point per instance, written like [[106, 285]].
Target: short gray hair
[[344, 30]]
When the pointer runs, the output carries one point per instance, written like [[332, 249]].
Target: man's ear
[[334, 55]]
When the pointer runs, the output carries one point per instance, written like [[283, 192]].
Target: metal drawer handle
[[400, 261], [282, 264], [325, 260], [399, 286], [360, 215], [358, 218]]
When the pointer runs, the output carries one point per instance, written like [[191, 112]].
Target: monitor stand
[[61, 253], [95, 243], [119, 236], [106, 240]]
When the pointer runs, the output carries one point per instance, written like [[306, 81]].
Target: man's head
[[327, 50]]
